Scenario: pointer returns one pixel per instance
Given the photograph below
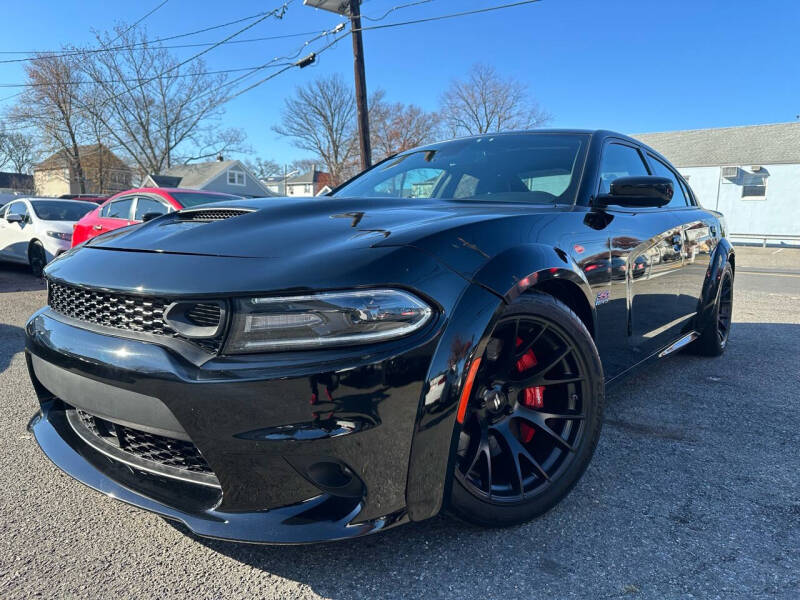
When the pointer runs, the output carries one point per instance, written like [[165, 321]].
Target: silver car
[[36, 230]]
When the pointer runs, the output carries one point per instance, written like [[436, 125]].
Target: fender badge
[[602, 297]]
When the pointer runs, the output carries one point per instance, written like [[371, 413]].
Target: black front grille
[[211, 214], [204, 315], [122, 311], [165, 451]]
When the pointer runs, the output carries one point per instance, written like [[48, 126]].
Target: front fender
[[498, 282], [518, 269]]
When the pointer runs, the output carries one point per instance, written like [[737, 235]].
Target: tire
[[37, 258], [510, 491], [714, 337]]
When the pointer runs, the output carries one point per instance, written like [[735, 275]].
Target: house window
[[307, 188], [235, 177], [754, 186]]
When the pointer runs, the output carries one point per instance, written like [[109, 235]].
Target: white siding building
[[751, 174]]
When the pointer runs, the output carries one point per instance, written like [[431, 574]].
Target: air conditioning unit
[[730, 172]]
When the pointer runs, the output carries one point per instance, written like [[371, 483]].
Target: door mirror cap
[[14, 218], [638, 192], [150, 216]]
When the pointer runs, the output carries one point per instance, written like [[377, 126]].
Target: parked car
[[137, 205], [96, 198], [291, 370], [36, 230]]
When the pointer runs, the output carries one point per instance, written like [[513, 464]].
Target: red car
[[135, 206]]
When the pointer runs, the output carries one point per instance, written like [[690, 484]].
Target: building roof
[[163, 181], [776, 143], [312, 176], [195, 175], [88, 153], [16, 181]]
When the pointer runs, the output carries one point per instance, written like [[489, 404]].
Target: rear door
[[698, 238]]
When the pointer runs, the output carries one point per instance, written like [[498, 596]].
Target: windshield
[[61, 210], [520, 167], [190, 199]]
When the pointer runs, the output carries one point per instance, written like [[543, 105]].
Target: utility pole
[[361, 85], [352, 8]]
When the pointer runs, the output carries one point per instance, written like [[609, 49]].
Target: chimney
[[220, 158]]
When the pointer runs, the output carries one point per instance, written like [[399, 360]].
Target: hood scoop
[[206, 215]]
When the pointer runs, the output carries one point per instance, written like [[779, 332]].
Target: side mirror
[[638, 192], [150, 216], [14, 218]]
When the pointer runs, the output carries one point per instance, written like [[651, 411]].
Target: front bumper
[[259, 422]]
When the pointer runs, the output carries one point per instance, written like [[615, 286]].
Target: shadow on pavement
[[18, 278], [689, 447], [12, 340]]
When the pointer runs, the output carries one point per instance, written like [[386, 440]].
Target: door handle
[[97, 227]]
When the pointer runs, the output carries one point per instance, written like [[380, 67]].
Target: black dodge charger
[[437, 333]]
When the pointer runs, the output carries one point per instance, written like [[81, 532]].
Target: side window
[[118, 209], [416, 183], [620, 161], [146, 205], [662, 170]]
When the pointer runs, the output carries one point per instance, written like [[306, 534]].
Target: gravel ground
[[693, 493]]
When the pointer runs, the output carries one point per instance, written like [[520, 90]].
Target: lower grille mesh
[[147, 446]]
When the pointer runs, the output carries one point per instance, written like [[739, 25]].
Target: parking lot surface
[[694, 492]]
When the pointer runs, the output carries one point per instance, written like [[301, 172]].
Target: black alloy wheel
[[714, 336], [37, 259], [725, 309], [534, 415]]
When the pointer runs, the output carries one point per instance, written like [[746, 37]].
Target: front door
[[14, 236], [646, 248]]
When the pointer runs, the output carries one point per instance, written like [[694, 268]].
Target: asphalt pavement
[[694, 492]]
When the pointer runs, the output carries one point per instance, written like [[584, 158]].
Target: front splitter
[[302, 523]]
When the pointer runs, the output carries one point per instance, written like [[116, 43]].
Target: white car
[[36, 230]]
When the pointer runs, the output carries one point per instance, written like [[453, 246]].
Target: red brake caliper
[[534, 396]]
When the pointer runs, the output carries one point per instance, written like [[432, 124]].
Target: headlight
[[320, 320], [60, 235]]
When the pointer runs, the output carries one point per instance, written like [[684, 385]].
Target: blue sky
[[633, 66]]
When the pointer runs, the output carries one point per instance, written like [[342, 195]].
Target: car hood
[[293, 228]]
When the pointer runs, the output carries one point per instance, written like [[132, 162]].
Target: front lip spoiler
[[284, 525]]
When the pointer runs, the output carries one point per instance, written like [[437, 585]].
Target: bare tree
[[263, 167], [486, 102], [320, 118], [304, 165], [51, 108], [156, 110], [395, 127], [18, 150]]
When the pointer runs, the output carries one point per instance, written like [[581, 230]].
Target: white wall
[[779, 213]]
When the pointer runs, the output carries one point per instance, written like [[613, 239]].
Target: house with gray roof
[[751, 173], [228, 176]]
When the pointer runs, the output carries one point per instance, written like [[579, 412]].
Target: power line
[[57, 54], [394, 8], [119, 35], [90, 81], [450, 16]]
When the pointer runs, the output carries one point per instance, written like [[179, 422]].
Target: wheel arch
[[542, 268], [723, 255]]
